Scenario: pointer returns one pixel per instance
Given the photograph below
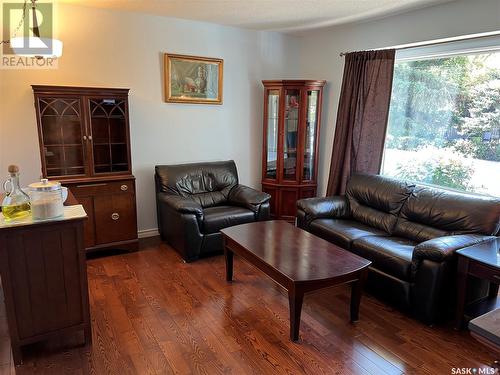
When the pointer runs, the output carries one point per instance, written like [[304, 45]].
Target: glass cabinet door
[[109, 135], [310, 134], [62, 136], [292, 115], [273, 100]]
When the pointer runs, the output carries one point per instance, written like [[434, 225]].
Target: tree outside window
[[444, 123]]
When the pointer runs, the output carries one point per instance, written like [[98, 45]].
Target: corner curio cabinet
[[292, 115], [85, 143]]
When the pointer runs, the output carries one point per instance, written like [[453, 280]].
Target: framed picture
[[193, 79]]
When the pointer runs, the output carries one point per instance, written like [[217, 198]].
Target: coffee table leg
[[295, 299], [229, 264], [356, 292]]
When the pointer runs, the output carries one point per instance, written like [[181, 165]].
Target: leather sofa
[[410, 233], [195, 201]]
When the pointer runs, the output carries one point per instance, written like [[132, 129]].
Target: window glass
[[311, 126], [273, 99], [444, 123], [292, 115]]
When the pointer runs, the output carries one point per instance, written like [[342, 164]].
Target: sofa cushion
[[208, 184], [376, 200], [342, 232], [220, 217], [391, 255], [429, 213]]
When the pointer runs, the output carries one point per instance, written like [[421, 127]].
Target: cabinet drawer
[[96, 188], [115, 218], [484, 271]]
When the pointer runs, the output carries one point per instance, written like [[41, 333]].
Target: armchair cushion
[[247, 197], [181, 204], [207, 183], [220, 217]]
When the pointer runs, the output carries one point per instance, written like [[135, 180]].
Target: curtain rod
[[433, 42]]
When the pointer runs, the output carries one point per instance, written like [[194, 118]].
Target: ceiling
[[282, 15]]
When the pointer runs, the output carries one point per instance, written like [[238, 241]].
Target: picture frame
[[193, 79]]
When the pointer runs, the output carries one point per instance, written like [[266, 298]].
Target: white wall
[[319, 50], [119, 49]]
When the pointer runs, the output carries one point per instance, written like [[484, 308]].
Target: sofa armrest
[[440, 248], [180, 204], [310, 209], [433, 272], [247, 197]]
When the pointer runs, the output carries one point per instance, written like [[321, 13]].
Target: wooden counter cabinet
[[44, 279]]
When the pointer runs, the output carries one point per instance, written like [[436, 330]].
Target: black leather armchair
[[195, 201], [410, 233]]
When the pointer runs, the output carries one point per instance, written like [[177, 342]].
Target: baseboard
[[145, 233]]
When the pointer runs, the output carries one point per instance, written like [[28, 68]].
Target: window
[[444, 123]]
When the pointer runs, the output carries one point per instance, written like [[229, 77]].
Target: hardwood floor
[[153, 314]]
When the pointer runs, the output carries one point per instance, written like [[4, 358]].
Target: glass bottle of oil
[[16, 203]]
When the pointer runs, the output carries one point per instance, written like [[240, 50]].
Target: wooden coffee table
[[297, 260]]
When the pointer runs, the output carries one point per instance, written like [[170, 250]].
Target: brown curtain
[[362, 116]]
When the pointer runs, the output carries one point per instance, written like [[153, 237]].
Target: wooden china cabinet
[[292, 115], [85, 143]]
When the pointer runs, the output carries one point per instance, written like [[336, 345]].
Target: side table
[[486, 330], [481, 261]]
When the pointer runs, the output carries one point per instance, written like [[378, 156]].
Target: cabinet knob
[[115, 216], [84, 137], [90, 137], [124, 187]]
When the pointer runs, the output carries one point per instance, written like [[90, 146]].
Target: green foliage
[[449, 102], [478, 148], [484, 113], [421, 100], [443, 117], [443, 167]]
